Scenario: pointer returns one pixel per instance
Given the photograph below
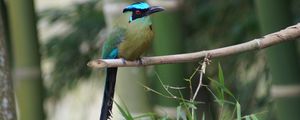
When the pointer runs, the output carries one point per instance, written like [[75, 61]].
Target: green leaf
[[215, 87], [178, 112], [221, 79], [164, 118], [187, 80], [124, 111], [223, 88], [185, 105], [238, 111], [203, 116], [187, 109], [220, 74], [228, 91], [247, 118], [191, 105], [126, 108], [253, 117], [220, 84], [151, 115]]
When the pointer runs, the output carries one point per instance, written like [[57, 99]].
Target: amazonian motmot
[[130, 37]]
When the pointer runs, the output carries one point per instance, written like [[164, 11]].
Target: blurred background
[[46, 44]]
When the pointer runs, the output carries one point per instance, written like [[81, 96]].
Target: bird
[[130, 37]]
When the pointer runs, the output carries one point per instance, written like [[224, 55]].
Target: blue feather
[[138, 5], [113, 54]]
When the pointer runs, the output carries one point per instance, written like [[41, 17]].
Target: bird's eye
[[138, 12]]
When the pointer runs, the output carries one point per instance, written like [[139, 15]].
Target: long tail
[[109, 91]]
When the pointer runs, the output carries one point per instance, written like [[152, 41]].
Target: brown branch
[[284, 91], [287, 34]]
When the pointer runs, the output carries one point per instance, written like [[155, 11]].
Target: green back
[[112, 42]]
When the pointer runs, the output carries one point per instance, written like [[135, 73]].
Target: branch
[[288, 34], [285, 91]]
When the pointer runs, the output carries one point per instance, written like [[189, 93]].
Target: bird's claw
[[123, 61], [140, 61]]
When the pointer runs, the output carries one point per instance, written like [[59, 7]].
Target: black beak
[[154, 9]]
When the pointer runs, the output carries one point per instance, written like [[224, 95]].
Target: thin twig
[[164, 86], [190, 81], [166, 96], [288, 34], [201, 72]]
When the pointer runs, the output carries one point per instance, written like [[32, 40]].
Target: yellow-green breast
[[137, 39]]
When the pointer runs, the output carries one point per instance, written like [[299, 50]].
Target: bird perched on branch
[[130, 37]]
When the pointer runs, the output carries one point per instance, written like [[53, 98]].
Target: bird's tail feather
[[109, 91]]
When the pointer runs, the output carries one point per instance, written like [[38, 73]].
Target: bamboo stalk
[[7, 98], [26, 73]]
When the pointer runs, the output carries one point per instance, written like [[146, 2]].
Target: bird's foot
[[123, 61], [140, 61]]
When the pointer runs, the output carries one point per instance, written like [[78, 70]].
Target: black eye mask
[[138, 14]]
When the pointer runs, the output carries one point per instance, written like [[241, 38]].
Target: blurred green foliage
[[295, 10], [207, 24], [71, 50], [213, 24]]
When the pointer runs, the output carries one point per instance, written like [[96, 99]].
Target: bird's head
[[140, 10]]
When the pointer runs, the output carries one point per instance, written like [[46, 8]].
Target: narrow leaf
[[253, 117], [215, 87], [124, 113], [151, 115], [178, 112], [221, 79], [238, 111], [223, 88], [220, 74], [247, 118], [203, 116]]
